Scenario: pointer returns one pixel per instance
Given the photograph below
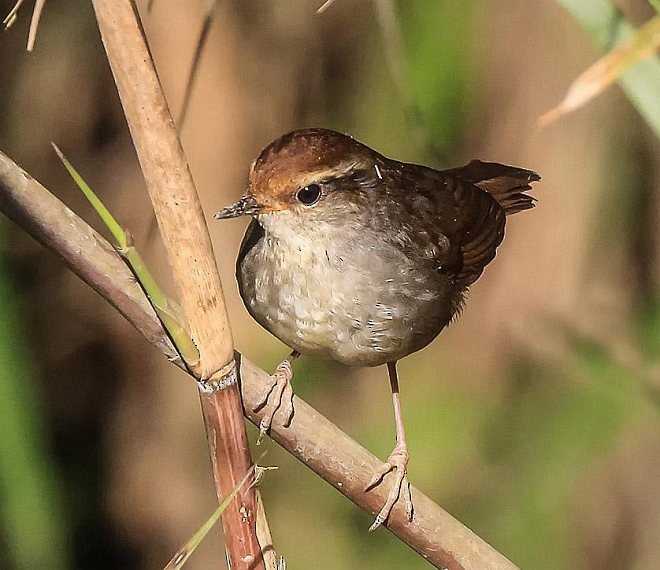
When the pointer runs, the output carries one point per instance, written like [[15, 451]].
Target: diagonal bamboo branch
[[313, 439], [190, 254]]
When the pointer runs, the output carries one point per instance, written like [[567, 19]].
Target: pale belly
[[358, 306]]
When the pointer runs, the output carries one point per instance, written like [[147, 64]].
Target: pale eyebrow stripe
[[341, 169]]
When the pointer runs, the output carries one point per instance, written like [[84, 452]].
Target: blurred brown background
[[533, 419]]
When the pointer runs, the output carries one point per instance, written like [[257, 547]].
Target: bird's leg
[[278, 390], [397, 461]]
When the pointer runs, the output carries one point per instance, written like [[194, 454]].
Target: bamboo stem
[[188, 244]]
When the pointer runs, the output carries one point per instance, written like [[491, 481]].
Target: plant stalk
[[312, 438], [188, 244]]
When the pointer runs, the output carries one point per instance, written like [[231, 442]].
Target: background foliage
[[533, 419]]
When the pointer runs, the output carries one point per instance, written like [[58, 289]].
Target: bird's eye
[[309, 195]]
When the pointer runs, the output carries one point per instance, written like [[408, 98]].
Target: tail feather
[[507, 184]]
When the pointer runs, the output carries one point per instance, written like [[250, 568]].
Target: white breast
[[347, 302]]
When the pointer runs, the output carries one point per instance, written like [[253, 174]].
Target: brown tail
[[507, 184]]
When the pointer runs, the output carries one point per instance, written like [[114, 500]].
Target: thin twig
[[10, 18], [13, 13], [34, 23], [313, 439], [197, 57], [190, 254], [152, 230], [325, 6]]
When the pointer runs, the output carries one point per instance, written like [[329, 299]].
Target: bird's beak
[[246, 206]]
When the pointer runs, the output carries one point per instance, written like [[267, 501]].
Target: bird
[[364, 260]]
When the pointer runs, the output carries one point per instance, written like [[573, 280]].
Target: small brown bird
[[362, 259]]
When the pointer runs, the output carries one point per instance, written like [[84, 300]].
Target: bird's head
[[311, 174]]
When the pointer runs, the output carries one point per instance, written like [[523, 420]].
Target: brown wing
[[484, 193], [477, 229], [471, 204]]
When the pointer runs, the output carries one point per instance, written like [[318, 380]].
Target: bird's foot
[[398, 462], [279, 393]]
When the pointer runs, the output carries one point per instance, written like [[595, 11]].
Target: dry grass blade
[[11, 17], [34, 24], [325, 6], [10, 22], [607, 70], [182, 555]]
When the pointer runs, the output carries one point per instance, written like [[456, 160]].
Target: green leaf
[[167, 310], [108, 219]]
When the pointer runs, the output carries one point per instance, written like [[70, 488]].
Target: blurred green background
[[533, 419]]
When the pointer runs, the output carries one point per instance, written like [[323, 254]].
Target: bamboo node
[[224, 378]]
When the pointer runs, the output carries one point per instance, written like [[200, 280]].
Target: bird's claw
[[398, 462], [280, 389]]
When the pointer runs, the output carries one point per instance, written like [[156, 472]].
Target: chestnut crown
[[290, 171]]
